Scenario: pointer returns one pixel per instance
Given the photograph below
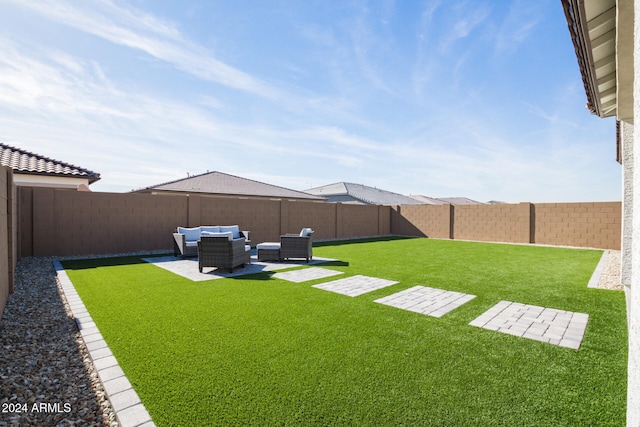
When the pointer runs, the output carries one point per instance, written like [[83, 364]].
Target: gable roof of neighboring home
[[222, 184], [25, 163], [460, 201], [347, 192], [428, 200], [445, 200]]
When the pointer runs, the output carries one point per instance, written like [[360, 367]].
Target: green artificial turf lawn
[[255, 350]]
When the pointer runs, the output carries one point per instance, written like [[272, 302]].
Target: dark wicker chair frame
[[222, 253], [296, 246], [180, 247]]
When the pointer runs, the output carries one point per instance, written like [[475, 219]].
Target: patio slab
[[425, 300], [306, 274], [355, 285], [557, 327], [188, 267]]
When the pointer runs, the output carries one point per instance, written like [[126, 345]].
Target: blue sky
[[477, 98]]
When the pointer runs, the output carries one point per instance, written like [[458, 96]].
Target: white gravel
[[610, 277]]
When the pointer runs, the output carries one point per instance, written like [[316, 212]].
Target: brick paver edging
[[129, 410], [594, 282]]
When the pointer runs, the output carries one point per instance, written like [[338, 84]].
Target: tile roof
[[363, 193], [446, 200], [225, 184], [460, 201], [429, 200], [24, 162]]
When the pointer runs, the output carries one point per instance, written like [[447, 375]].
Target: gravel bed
[[46, 375], [610, 277]]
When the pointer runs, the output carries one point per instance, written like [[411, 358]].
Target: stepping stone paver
[[425, 300], [355, 285], [306, 274], [558, 327]]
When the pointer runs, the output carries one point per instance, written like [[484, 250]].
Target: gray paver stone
[[95, 345], [100, 352], [116, 385], [133, 416], [105, 362], [124, 399], [110, 373]]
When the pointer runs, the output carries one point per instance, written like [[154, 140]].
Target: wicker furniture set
[[226, 247]]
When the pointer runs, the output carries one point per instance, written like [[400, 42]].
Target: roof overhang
[[602, 34], [35, 180]]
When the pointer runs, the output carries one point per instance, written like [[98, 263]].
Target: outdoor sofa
[[185, 239]]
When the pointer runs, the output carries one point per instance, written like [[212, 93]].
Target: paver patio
[[558, 327], [188, 267], [306, 274], [425, 300], [355, 285]]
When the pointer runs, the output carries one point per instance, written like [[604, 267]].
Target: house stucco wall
[[626, 134], [633, 292]]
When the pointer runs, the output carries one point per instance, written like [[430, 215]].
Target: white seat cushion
[[306, 232], [190, 234], [228, 234], [210, 228], [268, 246], [232, 228]]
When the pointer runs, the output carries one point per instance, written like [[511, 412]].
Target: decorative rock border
[[129, 410]]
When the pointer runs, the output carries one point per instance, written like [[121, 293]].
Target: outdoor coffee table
[[268, 251]]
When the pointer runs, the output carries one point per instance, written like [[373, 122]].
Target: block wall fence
[[7, 235], [592, 225], [57, 222]]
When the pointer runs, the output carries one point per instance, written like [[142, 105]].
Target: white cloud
[[135, 29]]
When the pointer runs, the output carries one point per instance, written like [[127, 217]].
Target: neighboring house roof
[[445, 200], [218, 183], [602, 35], [460, 201], [428, 200], [24, 162], [347, 192]]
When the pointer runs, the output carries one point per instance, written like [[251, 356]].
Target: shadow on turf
[[266, 275]]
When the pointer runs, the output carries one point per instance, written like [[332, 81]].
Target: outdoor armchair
[[222, 253], [297, 245]]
